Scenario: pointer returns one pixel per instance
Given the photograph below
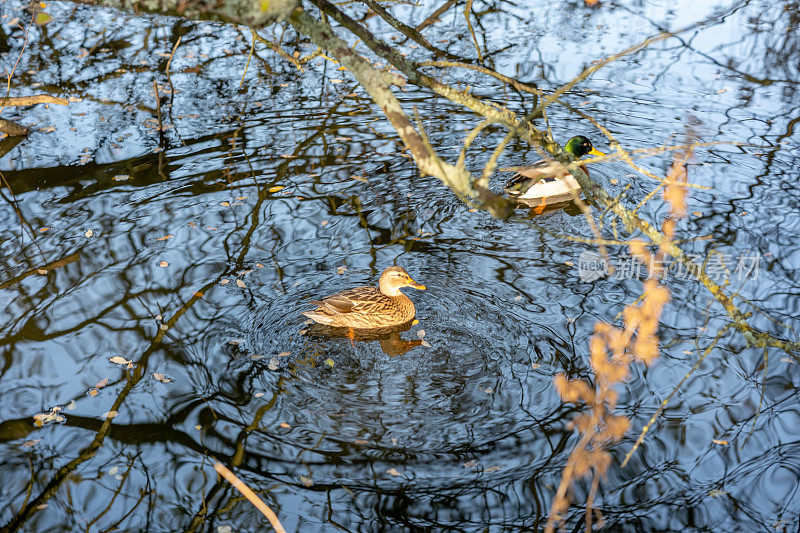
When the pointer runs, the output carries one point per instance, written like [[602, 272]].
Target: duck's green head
[[580, 146]]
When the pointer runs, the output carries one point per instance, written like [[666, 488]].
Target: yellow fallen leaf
[[163, 264], [307, 481], [42, 230], [119, 360], [393, 472], [240, 283], [285, 425], [102, 383], [226, 204], [161, 377], [93, 392], [41, 271], [165, 237], [329, 362], [88, 233], [720, 442], [224, 281], [110, 414], [275, 189]]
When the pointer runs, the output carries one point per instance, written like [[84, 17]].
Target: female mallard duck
[[369, 307], [549, 182]]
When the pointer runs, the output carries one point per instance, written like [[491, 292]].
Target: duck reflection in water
[[389, 337], [369, 313]]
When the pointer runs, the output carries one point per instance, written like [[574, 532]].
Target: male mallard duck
[[549, 182], [369, 307]]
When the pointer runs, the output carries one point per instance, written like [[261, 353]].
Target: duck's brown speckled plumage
[[369, 307]]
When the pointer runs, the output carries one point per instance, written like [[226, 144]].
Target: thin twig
[[249, 56], [664, 403], [433, 17], [467, 13], [250, 495]]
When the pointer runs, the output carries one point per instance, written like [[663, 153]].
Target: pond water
[[190, 249]]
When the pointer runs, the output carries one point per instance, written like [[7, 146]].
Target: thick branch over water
[[253, 13]]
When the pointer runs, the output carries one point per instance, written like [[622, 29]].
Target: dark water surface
[[292, 187]]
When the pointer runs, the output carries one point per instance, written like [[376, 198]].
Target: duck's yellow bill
[[414, 285], [595, 151]]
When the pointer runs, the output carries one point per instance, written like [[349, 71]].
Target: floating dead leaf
[[258, 394], [192, 224], [41, 271], [360, 441], [29, 443], [121, 177], [42, 230], [257, 356], [162, 378], [283, 354], [110, 414], [425, 344], [241, 197], [323, 223], [359, 178], [165, 237], [414, 322], [163, 264], [421, 334], [93, 392], [468, 464], [492, 469], [224, 281], [88, 233], [393, 472], [243, 272], [614, 181], [226, 204], [275, 189], [240, 283], [119, 360], [163, 327], [488, 390], [113, 471], [697, 213], [787, 360], [336, 80], [306, 481], [259, 265], [273, 364], [720, 442], [42, 18], [284, 425], [341, 270], [329, 362], [43, 418], [102, 383], [235, 342], [71, 405]]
